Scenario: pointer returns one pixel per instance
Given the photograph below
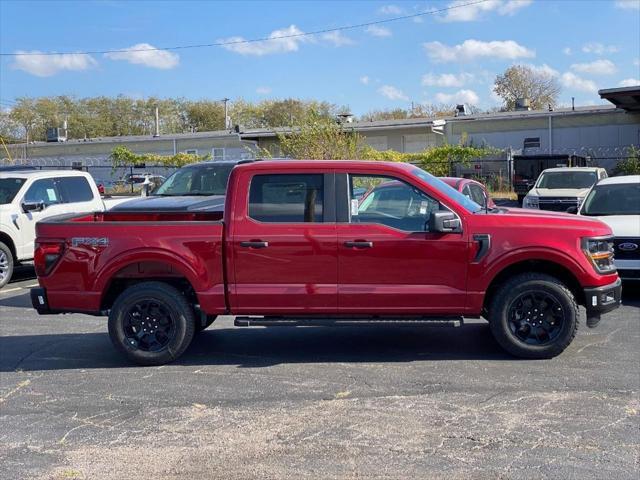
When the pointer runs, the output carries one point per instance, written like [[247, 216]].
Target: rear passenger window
[[287, 198], [75, 189]]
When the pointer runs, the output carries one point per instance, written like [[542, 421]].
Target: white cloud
[[598, 48], [390, 10], [41, 65], [475, 11], [628, 4], [365, 80], [474, 49], [284, 40], [142, 54], [630, 82], [543, 69], [378, 31], [597, 67], [337, 39], [573, 82], [263, 90], [566, 50], [446, 79], [461, 96], [392, 93]]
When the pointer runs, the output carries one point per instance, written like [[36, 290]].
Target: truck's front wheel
[[534, 315], [151, 323], [6, 264]]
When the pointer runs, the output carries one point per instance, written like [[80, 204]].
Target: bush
[[630, 165]]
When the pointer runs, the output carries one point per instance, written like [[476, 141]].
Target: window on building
[[192, 151], [378, 142], [218, 153], [287, 198], [532, 142], [418, 142], [74, 189]]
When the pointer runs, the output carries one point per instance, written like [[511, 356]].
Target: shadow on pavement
[[261, 347]]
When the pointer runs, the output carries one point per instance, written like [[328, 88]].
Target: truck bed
[[111, 247]]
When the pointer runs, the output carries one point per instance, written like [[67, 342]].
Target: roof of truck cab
[[290, 164], [624, 179], [573, 169], [27, 174]]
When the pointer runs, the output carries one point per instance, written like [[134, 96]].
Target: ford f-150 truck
[[295, 246]]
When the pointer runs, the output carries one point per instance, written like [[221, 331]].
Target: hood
[[559, 192], [537, 221], [622, 225], [214, 203]]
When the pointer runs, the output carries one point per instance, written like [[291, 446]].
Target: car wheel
[[151, 323], [207, 323], [6, 264], [534, 316]]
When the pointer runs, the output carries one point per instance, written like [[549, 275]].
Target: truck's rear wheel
[[534, 316], [151, 323], [6, 264]]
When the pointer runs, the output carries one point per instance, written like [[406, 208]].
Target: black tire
[[162, 312], [521, 328], [6, 264], [520, 199], [202, 326]]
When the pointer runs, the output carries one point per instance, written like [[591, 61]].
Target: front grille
[[557, 204], [629, 274], [627, 252]]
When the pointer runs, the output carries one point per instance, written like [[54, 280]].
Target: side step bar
[[345, 322]]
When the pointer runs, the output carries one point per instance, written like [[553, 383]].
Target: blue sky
[[448, 57]]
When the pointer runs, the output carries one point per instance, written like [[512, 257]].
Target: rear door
[[388, 261], [284, 244]]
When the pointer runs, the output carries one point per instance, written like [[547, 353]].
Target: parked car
[[558, 189], [295, 247], [527, 168], [28, 196], [471, 189], [186, 187], [616, 202]]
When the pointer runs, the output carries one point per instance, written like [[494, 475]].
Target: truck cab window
[[390, 202], [43, 191], [287, 198], [75, 189]]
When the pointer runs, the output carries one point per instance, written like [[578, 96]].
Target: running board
[[345, 322]]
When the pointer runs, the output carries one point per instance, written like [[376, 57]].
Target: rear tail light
[[47, 254]]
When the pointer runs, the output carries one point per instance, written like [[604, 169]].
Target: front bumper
[[599, 300]]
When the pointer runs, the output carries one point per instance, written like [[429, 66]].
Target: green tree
[[521, 81]]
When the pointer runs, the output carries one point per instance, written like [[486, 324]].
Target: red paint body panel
[[306, 268]]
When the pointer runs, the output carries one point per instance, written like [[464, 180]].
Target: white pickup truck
[[31, 195]]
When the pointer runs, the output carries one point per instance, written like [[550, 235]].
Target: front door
[[284, 246], [388, 261]]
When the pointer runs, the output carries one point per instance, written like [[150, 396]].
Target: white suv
[[616, 202], [28, 196], [558, 189]]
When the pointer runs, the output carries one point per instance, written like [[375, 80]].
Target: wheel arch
[[8, 241], [548, 267]]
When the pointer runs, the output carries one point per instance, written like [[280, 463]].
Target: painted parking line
[[15, 289]]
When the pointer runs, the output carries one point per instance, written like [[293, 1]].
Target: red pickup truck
[[296, 246]]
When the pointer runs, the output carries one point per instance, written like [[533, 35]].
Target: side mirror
[[444, 222], [32, 207], [572, 209]]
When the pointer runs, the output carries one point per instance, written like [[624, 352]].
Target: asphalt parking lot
[[386, 402]]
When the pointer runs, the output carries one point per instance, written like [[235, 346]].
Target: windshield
[[9, 187], [621, 199], [446, 190], [206, 179], [573, 180]]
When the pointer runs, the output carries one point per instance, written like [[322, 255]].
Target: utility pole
[[226, 116]]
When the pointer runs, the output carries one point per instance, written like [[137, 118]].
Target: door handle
[[255, 244], [359, 244]]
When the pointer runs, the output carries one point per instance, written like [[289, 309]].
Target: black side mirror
[[444, 222], [32, 207], [572, 209]]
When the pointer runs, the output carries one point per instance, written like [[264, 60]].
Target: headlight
[[530, 202], [599, 251]]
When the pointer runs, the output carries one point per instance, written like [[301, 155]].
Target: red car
[[472, 189], [296, 247]]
